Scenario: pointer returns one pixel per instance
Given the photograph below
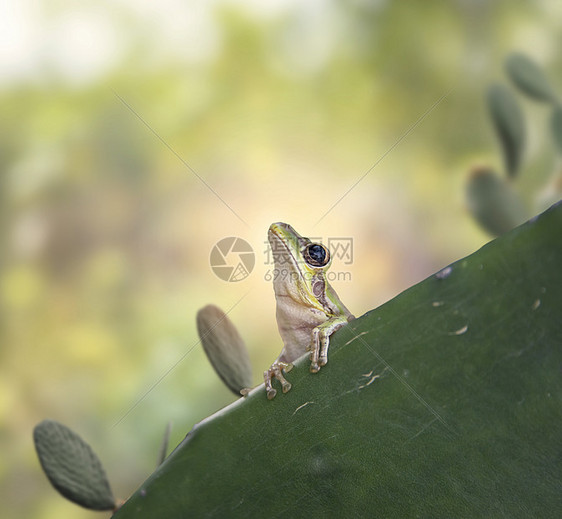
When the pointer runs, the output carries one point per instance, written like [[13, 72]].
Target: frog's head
[[295, 255]]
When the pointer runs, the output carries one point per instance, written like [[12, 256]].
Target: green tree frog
[[308, 308]]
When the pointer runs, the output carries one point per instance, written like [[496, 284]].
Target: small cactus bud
[[72, 467], [509, 124], [529, 78], [224, 348], [493, 203]]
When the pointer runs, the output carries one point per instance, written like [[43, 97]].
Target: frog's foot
[[276, 371]]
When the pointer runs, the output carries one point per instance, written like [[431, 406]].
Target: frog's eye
[[316, 255]]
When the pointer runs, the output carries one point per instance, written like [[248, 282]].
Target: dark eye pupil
[[317, 254]]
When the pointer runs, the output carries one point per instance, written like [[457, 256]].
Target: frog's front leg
[[321, 340], [276, 371]]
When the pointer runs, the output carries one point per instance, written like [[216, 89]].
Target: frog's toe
[[314, 367], [285, 384]]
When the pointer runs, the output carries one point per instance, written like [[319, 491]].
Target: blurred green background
[[280, 107]]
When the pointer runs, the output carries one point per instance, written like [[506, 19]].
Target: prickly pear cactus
[[493, 199]]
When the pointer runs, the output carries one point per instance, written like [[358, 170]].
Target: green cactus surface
[[444, 402]]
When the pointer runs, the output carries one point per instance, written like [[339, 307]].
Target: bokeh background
[[134, 135]]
